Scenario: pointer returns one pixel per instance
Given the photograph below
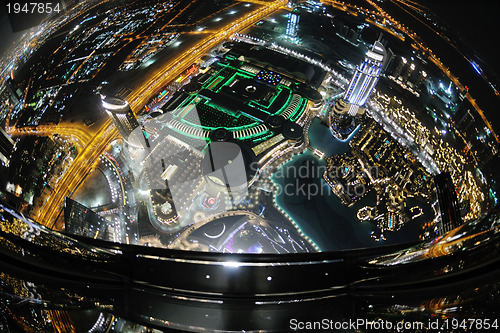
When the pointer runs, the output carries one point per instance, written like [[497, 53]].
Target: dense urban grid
[[126, 106]]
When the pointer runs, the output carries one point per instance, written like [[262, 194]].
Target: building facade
[[351, 106], [6, 148], [123, 117]]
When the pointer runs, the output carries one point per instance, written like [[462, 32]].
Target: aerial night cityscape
[[260, 165]]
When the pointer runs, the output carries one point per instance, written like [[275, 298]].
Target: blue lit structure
[[366, 75], [292, 25], [351, 105]]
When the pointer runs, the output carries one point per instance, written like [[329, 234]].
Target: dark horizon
[[481, 38]]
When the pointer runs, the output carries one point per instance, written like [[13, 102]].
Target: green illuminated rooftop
[[239, 97]]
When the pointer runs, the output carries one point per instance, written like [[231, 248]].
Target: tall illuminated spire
[[366, 75], [342, 121]]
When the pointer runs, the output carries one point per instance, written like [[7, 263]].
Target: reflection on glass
[[261, 127]]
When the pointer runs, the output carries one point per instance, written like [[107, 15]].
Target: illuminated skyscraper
[[342, 116], [366, 76], [292, 25], [6, 148], [122, 115], [15, 94]]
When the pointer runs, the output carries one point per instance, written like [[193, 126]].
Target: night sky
[[477, 25], [8, 37]]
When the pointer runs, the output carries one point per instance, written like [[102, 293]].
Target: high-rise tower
[[122, 115], [351, 105], [15, 94], [6, 148], [292, 25], [365, 77]]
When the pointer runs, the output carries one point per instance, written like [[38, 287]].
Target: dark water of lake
[[307, 199]]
